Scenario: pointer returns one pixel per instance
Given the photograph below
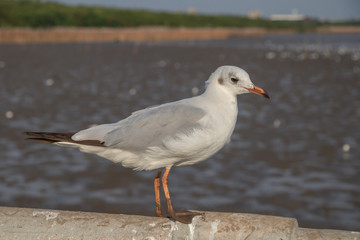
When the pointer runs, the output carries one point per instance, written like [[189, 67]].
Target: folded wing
[[146, 128]]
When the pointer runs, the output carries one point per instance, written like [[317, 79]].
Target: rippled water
[[296, 155]]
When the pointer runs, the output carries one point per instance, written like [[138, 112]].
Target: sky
[[322, 9]]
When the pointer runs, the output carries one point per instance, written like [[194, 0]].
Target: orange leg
[[164, 181], [183, 217], [157, 194]]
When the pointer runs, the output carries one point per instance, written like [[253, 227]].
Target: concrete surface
[[24, 223]]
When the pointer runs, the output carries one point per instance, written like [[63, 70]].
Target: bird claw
[[184, 217]]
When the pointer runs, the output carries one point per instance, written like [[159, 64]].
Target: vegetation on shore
[[37, 14]]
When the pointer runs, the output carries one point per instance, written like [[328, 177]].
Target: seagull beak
[[258, 91]]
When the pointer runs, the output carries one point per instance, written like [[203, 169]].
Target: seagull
[[173, 134]]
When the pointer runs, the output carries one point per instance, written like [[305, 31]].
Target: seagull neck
[[219, 95]]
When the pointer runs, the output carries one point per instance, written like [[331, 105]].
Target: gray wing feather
[[150, 127]]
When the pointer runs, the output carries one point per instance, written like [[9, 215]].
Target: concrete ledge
[[24, 223]]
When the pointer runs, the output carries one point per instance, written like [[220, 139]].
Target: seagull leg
[[164, 181], [157, 194], [183, 217]]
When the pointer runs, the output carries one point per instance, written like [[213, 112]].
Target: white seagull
[[178, 133]]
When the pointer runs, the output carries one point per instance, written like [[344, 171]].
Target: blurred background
[[296, 155]]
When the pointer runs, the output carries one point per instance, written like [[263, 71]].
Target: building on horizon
[[254, 14], [293, 16]]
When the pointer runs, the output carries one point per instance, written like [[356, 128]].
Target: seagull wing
[[146, 128], [150, 127]]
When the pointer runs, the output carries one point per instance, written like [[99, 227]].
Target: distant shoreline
[[145, 34]]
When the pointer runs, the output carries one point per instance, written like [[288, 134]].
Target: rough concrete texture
[[23, 223]]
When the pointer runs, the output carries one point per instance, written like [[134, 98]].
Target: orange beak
[[258, 91]]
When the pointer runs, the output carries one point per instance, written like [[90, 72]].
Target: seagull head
[[234, 80]]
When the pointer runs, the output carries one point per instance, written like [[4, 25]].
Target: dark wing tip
[[50, 137], [40, 140]]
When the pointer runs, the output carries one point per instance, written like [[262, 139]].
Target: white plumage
[[173, 134]]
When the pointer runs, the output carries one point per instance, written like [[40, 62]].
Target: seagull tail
[[51, 137]]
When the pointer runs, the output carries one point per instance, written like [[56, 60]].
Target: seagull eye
[[234, 80]]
